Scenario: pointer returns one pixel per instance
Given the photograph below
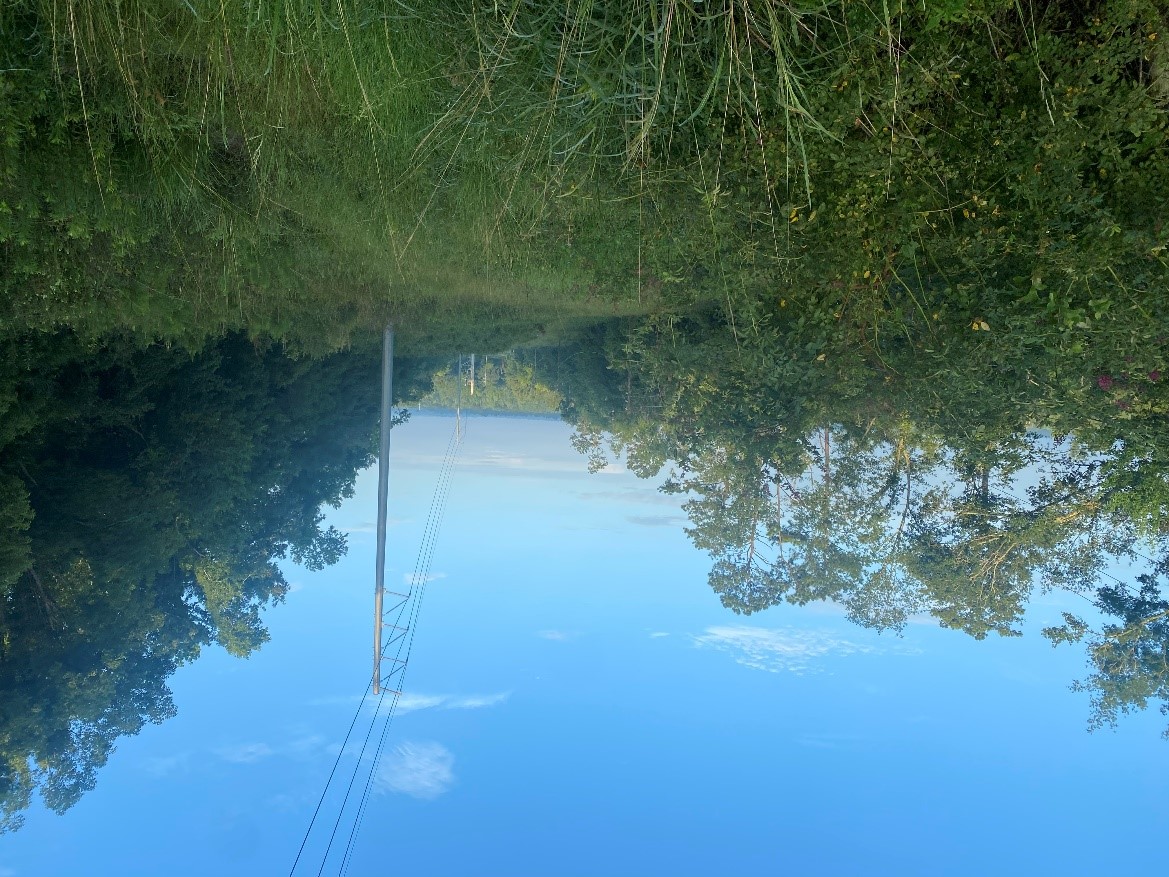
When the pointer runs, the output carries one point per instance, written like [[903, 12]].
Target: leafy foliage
[[1129, 659], [506, 382], [885, 483], [151, 492]]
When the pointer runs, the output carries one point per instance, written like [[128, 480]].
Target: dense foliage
[[890, 485], [913, 168], [148, 494]]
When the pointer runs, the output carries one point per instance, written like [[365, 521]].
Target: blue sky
[[579, 703]]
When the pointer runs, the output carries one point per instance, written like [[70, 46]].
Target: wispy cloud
[[285, 803], [656, 520], [302, 746], [413, 701], [420, 579], [476, 701], [778, 650], [658, 634], [500, 462], [245, 753], [162, 766], [613, 467], [830, 741], [421, 770], [558, 636]]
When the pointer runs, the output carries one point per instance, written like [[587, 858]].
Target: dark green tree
[[149, 494]]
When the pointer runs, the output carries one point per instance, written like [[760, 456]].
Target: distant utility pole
[[472, 374], [383, 496]]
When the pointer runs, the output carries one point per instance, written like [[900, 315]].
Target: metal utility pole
[[383, 496]]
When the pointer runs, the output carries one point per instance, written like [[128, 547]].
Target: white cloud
[[558, 636], [658, 634], [245, 753], [927, 620], [302, 746], [421, 770], [410, 701], [476, 701], [413, 701], [779, 650], [283, 803], [503, 462], [420, 579], [614, 468], [161, 767]]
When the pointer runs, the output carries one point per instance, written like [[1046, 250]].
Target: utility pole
[[383, 496]]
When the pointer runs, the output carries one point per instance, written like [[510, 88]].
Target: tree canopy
[[896, 483], [148, 494]]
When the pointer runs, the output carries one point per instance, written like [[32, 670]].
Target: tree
[[1130, 656], [152, 492]]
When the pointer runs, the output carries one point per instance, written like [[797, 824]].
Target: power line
[[410, 606], [421, 577], [328, 782], [416, 591]]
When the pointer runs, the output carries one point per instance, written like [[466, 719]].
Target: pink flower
[[1154, 375], [1104, 382]]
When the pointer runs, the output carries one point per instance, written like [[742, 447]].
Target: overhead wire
[[413, 602], [421, 577], [329, 781], [415, 592]]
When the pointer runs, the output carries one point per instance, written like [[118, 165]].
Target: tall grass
[[510, 153]]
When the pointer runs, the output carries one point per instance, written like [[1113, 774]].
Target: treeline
[[899, 480], [147, 496], [503, 382]]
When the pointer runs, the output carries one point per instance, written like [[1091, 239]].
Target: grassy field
[[189, 171], [188, 168]]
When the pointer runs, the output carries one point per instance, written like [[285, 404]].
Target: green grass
[[196, 167]]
